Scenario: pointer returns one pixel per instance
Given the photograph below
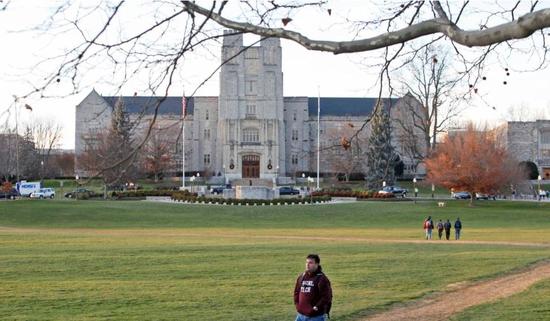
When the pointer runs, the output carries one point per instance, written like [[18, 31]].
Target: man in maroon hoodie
[[312, 293]]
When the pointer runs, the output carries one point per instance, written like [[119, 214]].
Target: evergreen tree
[[381, 156], [119, 145]]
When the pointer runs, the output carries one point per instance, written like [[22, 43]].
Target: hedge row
[[356, 194], [179, 197], [142, 194]]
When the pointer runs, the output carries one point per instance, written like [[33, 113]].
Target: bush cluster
[[190, 198], [143, 193], [351, 193]]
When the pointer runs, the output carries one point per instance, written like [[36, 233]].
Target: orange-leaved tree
[[474, 160]]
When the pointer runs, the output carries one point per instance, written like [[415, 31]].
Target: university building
[[529, 141], [251, 131]]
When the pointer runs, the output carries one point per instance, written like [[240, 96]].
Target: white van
[[27, 188]]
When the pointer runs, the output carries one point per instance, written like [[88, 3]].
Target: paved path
[[444, 305]]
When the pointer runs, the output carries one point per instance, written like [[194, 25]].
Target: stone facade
[[530, 142], [250, 130]]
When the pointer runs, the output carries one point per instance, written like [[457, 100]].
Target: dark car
[[481, 196], [12, 194], [287, 190], [219, 189], [395, 190], [79, 191], [462, 196]]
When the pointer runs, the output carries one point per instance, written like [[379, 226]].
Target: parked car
[[219, 189], [12, 194], [481, 196], [79, 191], [462, 196], [287, 190], [43, 193], [395, 190]]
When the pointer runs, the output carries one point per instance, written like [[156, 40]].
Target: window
[[294, 116], [251, 135], [250, 110], [294, 159], [251, 53], [207, 134], [295, 135], [206, 116], [251, 87], [545, 137], [206, 159]]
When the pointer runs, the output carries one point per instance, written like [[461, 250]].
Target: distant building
[[529, 141], [250, 130]]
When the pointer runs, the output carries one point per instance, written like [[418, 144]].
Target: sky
[[28, 41]]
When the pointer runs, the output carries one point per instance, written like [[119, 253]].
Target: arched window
[[250, 135]]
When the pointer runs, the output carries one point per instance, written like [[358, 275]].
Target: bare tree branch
[[521, 28]]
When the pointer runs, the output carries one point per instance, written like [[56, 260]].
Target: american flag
[[183, 105]]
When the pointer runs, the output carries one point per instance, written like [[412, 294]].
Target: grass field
[[95, 260]]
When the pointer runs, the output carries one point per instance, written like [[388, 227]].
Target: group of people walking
[[442, 226]]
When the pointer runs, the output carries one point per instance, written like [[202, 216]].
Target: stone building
[[251, 130], [529, 141]]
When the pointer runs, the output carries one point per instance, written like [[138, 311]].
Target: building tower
[[250, 111]]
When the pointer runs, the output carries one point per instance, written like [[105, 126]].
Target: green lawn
[[105, 260]]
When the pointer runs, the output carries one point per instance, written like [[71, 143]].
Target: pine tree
[[120, 123], [381, 156], [119, 144]]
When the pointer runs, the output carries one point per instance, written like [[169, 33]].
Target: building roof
[[143, 104], [346, 106], [330, 106]]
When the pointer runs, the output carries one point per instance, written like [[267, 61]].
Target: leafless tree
[[343, 155], [7, 154], [438, 93], [523, 112], [46, 135], [156, 157]]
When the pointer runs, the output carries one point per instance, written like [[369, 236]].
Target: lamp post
[[277, 176], [310, 180], [192, 179], [415, 190], [41, 172], [433, 190], [539, 179], [76, 181]]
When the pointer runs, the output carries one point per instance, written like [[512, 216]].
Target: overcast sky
[[341, 75]]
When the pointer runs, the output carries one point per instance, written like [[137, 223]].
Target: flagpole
[[16, 140], [318, 130], [183, 111]]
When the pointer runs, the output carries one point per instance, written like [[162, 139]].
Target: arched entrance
[[251, 166], [529, 169]]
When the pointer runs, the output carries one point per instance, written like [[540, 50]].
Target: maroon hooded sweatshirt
[[312, 289]]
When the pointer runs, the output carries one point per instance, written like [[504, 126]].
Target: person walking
[[447, 227], [440, 229], [458, 228], [428, 227], [312, 292]]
